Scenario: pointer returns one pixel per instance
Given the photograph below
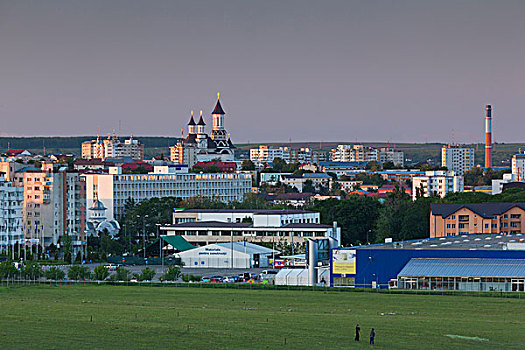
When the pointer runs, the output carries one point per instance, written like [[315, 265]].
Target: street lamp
[[143, 234], [160, 246]]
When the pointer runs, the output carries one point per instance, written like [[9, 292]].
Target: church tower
[[218, 133], [201, 136], [191, 125]]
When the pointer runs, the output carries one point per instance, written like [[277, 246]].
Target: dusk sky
[[416, 71]]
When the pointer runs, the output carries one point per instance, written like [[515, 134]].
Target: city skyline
[[337, 71]]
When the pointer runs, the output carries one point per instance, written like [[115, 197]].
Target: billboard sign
[[344, 261]]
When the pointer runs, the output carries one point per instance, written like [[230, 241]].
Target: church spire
[[218, 108]]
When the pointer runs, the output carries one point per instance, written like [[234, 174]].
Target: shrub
[[122, 274], [147, 274], [100, 273], [54, 273], [172, 274]]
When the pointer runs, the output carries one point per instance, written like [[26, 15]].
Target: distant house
[[392, 188], [18, 153]]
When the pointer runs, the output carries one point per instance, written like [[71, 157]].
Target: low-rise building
[[202, 226]]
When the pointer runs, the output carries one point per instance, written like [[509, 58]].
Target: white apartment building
[[265, 154], [354, 153], [391, 155], [497, 184], [112, 147], [54, 205], [457, 159], [114, 189], [206, 226], [11, 214], [518, 166], [438, 182]]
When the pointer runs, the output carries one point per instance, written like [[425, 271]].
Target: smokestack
[[488, 136]]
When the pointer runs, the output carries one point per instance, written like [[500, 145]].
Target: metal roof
[[177, 242], [489, 241], [464, 267], [248, 248]]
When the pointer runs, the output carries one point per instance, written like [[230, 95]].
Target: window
[[515, 216], [486, 225]]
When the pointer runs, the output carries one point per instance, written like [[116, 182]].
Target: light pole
[[160, 246], [143, 234]]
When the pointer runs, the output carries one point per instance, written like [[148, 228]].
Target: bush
[[122, 274], [54, 273], [77, 272], [172, 274], [100, 273], [32, 271], [147, 274], [191, 278]]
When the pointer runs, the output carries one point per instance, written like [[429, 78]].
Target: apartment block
[[518, 166], [391, 155], [115, 188], [437, 183], [11, 214], [457, 159], [112, 147]]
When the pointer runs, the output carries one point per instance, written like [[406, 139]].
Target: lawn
[[120, 317]]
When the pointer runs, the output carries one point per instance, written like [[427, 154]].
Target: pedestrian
[[357, 330], [372, 336]]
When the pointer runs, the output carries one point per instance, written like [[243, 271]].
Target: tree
[[373, 166], [308, 187], [67, 246], [147, 274], [247, 164], [7, 270], [172, 274], [77, 272], [389, 165], [122, 274], [100, 273], [32, 271], [279, 165], [54, 273]]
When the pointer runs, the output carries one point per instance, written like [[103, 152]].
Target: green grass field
[[45, 317]]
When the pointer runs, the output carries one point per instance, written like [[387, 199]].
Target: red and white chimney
[[488, 136]]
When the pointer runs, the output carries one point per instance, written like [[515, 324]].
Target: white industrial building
[[205, 226], [114, 189], [439, 183], [236, 255]]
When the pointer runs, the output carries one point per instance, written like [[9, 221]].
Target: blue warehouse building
[[468, 262]]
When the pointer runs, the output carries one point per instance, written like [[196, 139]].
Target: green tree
[[54, 273], [67, 248], [7, 270], [247, 164], [32, 271], [308, 187], [172, 274], [122, 274], [147, 274], [100, 273], [77, 272]]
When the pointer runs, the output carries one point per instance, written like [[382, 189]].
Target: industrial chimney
[[488, 136]]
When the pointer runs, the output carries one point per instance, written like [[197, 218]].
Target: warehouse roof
[[464, 268], [232, 225], [470, 242], [248, 248], [253, 211]]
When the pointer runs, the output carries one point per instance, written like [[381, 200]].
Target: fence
[[17, 282]]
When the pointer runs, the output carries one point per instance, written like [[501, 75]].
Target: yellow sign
[[344, 262]]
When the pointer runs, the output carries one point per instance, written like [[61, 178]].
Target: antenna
[[453, 141], [119, 128], [44, 146]]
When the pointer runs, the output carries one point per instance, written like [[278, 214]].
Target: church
[[201, 147]]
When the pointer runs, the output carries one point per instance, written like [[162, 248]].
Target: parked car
[[231, 279], [246, 276], [215, 280]]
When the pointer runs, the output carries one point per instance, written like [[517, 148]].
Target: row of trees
[[33, 271]]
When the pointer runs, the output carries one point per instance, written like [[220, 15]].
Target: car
[[246, 276], [231, 279], [111, 267], [215, 280]]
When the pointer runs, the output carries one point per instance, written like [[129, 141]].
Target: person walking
[[372, 336], [357, 330]]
